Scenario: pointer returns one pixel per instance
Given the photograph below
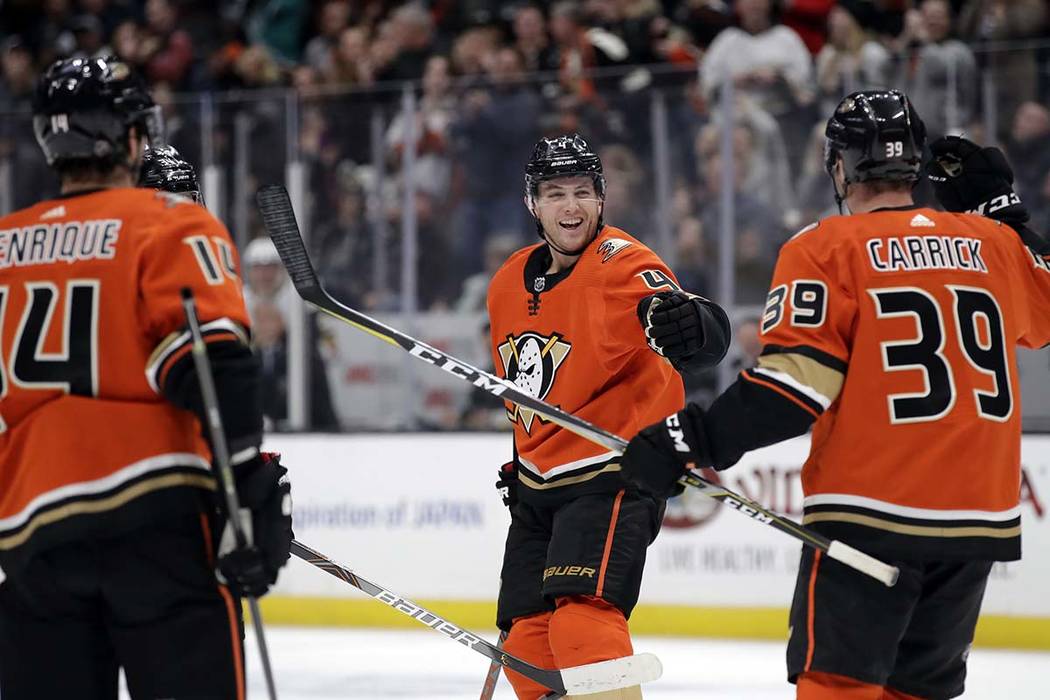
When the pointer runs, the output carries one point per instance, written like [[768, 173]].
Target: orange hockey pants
[[581, 630]]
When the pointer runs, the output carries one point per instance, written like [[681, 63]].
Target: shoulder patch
[[611, 247], [806, 229]]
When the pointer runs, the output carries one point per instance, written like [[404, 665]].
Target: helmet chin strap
[[840, 197]]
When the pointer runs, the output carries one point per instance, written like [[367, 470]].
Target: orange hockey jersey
[[895, 331], [90, 319], [574, 340]]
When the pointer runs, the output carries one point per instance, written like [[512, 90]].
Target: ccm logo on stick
[[452, 367]]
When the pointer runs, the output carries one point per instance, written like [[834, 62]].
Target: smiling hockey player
[[593, 321]]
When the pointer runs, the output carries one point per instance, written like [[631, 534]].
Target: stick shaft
[[221, 454]]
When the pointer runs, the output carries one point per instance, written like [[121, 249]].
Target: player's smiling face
[[568, 209]]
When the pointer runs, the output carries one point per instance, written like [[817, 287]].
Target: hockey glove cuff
[[507, 485], [658, 456], [968, 178], [266, 512], [672, 324]]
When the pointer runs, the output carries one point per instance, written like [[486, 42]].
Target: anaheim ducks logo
[[611, 247], [531, 361]]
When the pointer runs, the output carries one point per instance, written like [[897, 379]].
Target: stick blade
[[279, 218], [611, 675]]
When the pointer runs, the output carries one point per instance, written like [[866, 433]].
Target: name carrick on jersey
[[90, 321], [895, 333], [574, 340]]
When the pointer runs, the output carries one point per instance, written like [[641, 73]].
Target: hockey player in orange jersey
[[108, 516], [891, 332], [593, 321]]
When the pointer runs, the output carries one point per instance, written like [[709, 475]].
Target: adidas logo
[[60, 210], [919, 221]]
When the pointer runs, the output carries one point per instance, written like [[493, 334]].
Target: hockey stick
[[221, 451], [279, 220], [492, 677], [577, 680]]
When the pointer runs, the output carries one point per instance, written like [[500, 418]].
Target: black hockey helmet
[[878, 135], [84, 107], [562, 156], [164, 169]]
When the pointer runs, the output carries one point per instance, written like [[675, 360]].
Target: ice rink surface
[[325, 664]]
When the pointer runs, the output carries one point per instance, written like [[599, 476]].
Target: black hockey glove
[[968, 178], [264, 492], [507, 485], [661, 454], [672, 324]]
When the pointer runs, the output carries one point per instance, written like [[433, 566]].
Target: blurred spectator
[[413, 28], [271, 346], [627, 193], [1029, 148], [109, 12], [809, 19], [692, 264], [278, 25], [89, 36], [435, 112], [850, 60], [1013, 72], [757, 228], [17, 74], [332, 19], [349, 62], [493, 138], [531, 40], [127, 42], [938, 73], [816, 198], [166, 49], [705, 19], [580, 48], [344, 246], [265, 279], [472, 49], [52, 36], [498, 248], [757, 134], [762, 57]]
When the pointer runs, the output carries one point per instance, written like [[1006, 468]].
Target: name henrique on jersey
[[895, 333], [574, 340], [90, 321]]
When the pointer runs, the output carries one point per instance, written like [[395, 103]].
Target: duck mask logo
[[531, 361]]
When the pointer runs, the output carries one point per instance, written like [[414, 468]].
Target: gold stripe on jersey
[[174, 341], [821, 379], [525, 478], [136, 490], [943, 530]]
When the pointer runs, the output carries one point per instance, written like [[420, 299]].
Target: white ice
[[325, 664]]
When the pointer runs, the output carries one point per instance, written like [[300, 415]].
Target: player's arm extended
[[690, 331], [806, 330], [195, 251]]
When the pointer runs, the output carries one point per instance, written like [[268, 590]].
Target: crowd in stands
[[491, 76]]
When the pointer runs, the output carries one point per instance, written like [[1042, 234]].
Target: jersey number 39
[[984, 350]]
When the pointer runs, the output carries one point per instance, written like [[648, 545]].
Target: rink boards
[[419, 515]]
